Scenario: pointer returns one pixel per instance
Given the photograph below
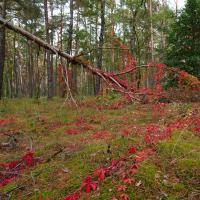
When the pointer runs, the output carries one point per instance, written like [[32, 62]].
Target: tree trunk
[[70, 36], [2, 45], [70, 48], [151, 30], [61, 27], [15, 68], [30, 69], [100, 49], [51, 39], [176, 4], [48, 56]]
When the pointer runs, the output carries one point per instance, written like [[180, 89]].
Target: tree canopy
[[183, 50]]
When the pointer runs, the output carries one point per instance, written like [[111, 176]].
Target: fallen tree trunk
[[108, 78], [35, 39]]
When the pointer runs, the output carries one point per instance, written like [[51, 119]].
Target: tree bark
[[101, 41], [30, 69], [2, 45], [48, 58], [71, 25], [70, 47], [51, 42], [15, 68], [151, 30]]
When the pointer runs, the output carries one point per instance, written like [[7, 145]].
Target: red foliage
[[123, 83], [5, 121], [143, 155], [28, 159], [196, 124], [102, 173], [101, 135], [125, 132], [13, 168], [54, 125], [178, 125], [132, 150], [121, 188], [74, 196], [159, 76], [127, 66], [83, 139], [88, 185], [124, 197], [116, 105], [128, 181], [159, 108], [80, 121], [72, 132], [154, 133]]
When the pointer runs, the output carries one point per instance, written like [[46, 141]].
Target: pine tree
[[2, 46], [184, 44]]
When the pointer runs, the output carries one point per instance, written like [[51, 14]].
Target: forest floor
[[104, 150]]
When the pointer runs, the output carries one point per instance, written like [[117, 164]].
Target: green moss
[[182, 144], [172, 198], [9, 187], [178, 187], [147, 174]]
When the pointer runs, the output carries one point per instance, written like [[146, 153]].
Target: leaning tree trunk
[[2, 44], [49, 66], [101, 41]]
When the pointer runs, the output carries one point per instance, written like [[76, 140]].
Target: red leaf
[[80, 122], [125, 132], [72, 132], [114, 162], [7, 181], [128, 181], [74, 196], [87, 188], [5, 121], [28, 158], [88, 184], [121, 188], [15, 167], [101, 173], [131, 150], [101, 135], [124, 197]]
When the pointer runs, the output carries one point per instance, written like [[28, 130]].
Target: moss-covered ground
[[104, 134]]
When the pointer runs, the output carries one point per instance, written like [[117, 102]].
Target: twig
[[54, 155], [66, 79]]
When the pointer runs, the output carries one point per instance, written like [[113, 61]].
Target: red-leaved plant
[[88, 184]]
